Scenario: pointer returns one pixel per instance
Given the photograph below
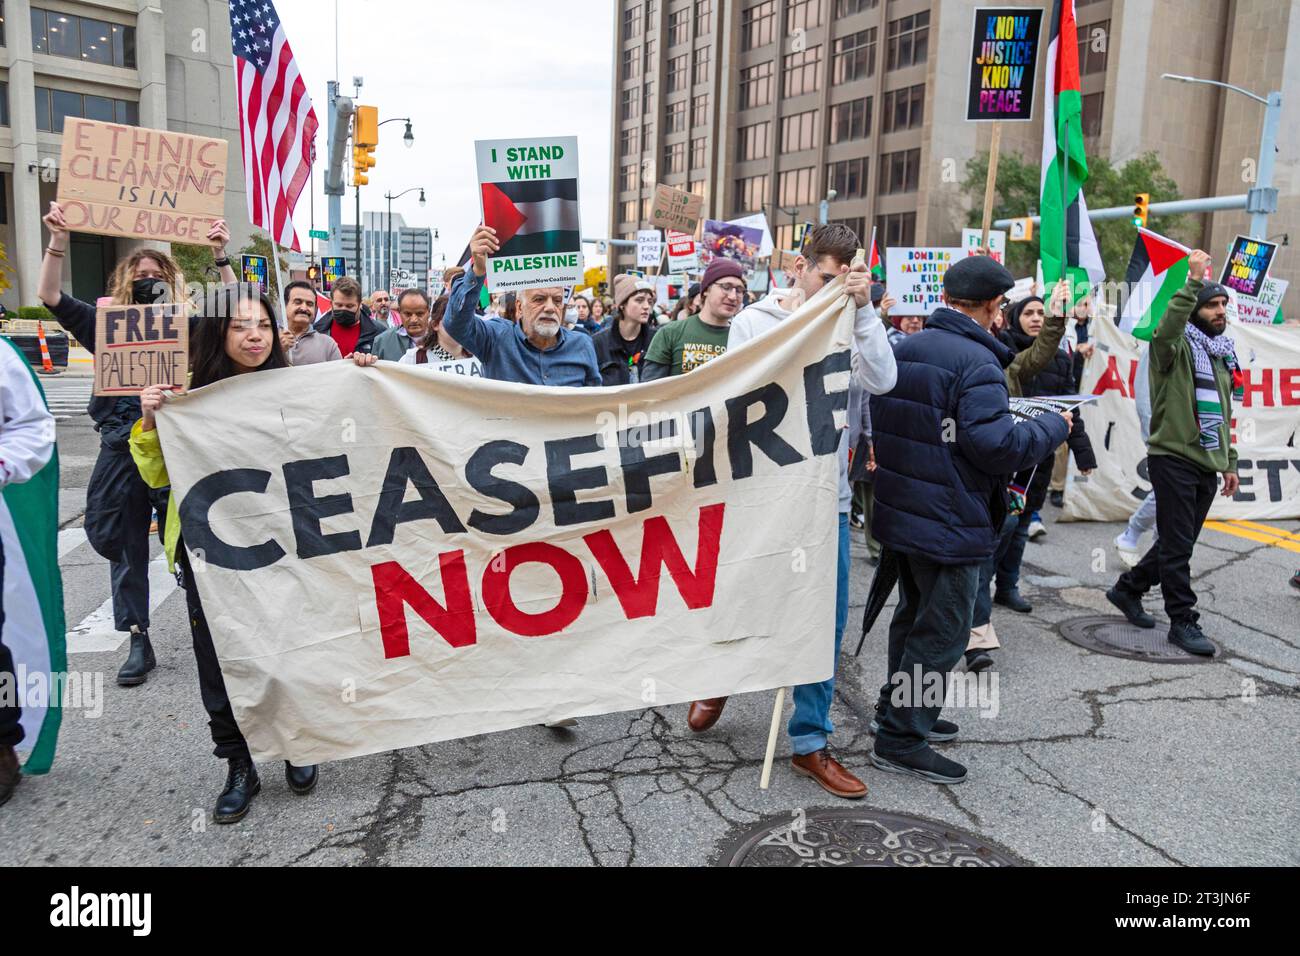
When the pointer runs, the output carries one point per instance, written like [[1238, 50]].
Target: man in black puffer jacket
[[946, 443]]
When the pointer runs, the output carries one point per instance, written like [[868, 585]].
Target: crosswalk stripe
[[70, 539], [96, 633], [1237, 532]]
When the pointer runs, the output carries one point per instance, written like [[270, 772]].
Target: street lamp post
[[1262, 199], [388, 242]]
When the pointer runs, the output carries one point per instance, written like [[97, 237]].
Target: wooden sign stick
[[990, 183]]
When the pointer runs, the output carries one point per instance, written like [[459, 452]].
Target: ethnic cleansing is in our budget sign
[[529, 193], [488, 555]]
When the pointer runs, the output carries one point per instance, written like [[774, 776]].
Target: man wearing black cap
[[1193, 376], [946, 444]]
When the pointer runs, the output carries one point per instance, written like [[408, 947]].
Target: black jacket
[[370, 329], [618, 358]]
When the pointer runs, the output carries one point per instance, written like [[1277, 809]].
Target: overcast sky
[[491, 69]]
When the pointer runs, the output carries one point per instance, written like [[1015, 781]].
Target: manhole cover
[[864, 837], [1119, 638]]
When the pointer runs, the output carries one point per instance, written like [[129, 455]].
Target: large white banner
[[485, 555], [1264, 426]]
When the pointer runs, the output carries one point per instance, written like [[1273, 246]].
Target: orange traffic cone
[[47, 365]]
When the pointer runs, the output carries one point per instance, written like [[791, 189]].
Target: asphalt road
[[1089, 759]]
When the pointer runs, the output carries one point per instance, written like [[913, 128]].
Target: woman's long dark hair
[[208, 359]]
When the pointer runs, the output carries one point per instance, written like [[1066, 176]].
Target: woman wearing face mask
[[235, 335], [119, 505]]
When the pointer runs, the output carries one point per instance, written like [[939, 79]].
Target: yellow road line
[[1252, 535], [1266, 529]]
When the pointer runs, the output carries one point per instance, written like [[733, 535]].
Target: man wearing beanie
[[621, 346], [946, 443], [1193, 375], [688, 343]]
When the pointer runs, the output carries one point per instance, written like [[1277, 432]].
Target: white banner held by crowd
[[488, 555]]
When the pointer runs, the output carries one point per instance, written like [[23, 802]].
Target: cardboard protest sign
[[970, 241], [529, 193], [683, 254], [332, 268], [1247, 265], [1264, 421], [254, 270], [914, 276], [1003, 63], [649, 248], [496, 555], [140, 345], [675, 209], [1266, 308], [141, 183]]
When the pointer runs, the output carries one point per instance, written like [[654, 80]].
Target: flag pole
[[275, 258], [1065, 207], [990, 182]]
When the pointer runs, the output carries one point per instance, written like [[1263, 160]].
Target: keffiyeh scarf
[[1210, 412]]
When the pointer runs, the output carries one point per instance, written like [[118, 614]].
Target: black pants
[[1184, 494], [929, 632], [130, 575], [11, 730], [226, 735]]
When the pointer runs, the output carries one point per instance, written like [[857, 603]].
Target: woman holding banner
[[235, 334], [119, 506], [436, 345]]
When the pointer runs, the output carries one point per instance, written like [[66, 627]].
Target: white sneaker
[[564, 724], [1036, 529], [1128, 551]]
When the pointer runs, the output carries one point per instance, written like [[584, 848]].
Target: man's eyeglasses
[[729, 289]]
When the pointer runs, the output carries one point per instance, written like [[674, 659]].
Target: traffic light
[[365, 129], [362, 161], [1140, 203]]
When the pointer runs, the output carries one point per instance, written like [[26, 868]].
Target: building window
[[628, 178], [631, 64], [801, 72], [627, 142], [679, 27], [702, 55], [857, 224], [703, 17], [799, 131], [845, 8], [647, 136], [632, 22], [1091, 117], [627, 211], [676, 78], [851, 120], [4, 102], [797, 186], [674, 158], [855, 56], [630, 103], [649, 56], [699, 153], [896, 229], [848, 178], [751, 193], [697, 187], [647, 95], [904, 109], [752, 142], [646, 202], [803, 14], [700, 110], [900, 172], [757, 25], [651, 8], [81, 38], [676, 119], [53, 106], [909, 38], [756, 85], [1094, 40]]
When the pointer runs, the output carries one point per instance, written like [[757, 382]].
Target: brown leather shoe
[[827, 771], [705, 713], [10, 774]]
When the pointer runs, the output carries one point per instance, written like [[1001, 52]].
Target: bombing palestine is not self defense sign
[[529, 190], [1004, 63]]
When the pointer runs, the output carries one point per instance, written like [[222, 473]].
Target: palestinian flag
[[533, 217], [877, 268], [1157, 270], [34, 628], [1064, 214]]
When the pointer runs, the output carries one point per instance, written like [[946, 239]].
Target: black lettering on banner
[[198, 532], [405, 466], [1274, 469], [478, 472], [741, 434], [308, 510], [822, 406], [566, 481], [704, 436], [638, 469], [1244, 481]]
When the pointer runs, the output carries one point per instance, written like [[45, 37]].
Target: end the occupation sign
[[1004, 62]]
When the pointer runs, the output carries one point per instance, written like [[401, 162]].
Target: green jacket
[[1033, 360], [1175, 428], [146, 449]]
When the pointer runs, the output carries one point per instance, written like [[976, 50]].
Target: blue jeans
[[810, 725], [1009, 563], [984, 599]]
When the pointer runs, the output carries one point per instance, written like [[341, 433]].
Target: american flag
[[276, 122]]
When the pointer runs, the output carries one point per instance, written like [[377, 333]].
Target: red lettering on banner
[[1110, 379], [1132, 377], [1290, 385], [501, 604], [1264, 387], [639, 595], [395, 588]]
